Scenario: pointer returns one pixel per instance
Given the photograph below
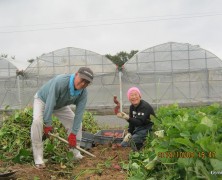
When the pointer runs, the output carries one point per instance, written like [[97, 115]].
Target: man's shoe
[[40, 166], [76, 154]]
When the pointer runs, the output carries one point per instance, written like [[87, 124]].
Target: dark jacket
[[140, 117]]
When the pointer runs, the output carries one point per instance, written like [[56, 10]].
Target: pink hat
[[133, 89]]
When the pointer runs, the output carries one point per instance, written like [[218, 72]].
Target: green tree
[[121, 58]]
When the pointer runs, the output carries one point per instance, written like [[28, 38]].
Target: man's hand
[[127, 137], [123, 115], [72, 140], [47, 129]]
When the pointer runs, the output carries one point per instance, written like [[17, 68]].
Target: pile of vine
[[16, 143]]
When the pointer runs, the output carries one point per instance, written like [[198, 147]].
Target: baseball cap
[[86, 73]]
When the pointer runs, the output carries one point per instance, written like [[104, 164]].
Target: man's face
[[134, 98], [80, 83]]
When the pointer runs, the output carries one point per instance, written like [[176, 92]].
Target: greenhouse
[[9, 85], [167, 73], [175, 72], [67, 60]]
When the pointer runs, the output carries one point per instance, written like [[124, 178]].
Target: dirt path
[[108, 164]]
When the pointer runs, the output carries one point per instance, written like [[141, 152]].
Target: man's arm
[[80, 108]]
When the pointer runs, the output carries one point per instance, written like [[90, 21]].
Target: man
[[138, 119], [54, 98]]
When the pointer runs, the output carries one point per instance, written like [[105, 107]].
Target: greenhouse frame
[[167, 73], [175, 73]]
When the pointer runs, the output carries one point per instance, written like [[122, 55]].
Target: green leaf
[[151, 165], [160, 150], [172, 132], [17, 115], [138, 176], [201, 128], [135, 166], [216, 164], [185, 134], [185, 117], [201, 169], [206, 121], [183, 141], [205, 143], [196, 136], [70, 155], [23, 155], [136, 155], [185, 162], [49, 147], [155, 142], [217, 150], [125, 166]]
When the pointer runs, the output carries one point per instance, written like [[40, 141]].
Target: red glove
[[47, 129], [72, 140]]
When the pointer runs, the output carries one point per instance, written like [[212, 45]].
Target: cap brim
[[83, 76]]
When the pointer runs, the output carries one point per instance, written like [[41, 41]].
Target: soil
[[107, 165]]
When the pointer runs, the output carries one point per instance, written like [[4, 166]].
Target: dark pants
[[138, 138]]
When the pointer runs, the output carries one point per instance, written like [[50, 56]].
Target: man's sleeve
[[80, 108]]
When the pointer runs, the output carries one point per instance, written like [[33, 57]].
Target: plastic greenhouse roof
[[174, 57], [20, 65], [70, 59], [7, 68]]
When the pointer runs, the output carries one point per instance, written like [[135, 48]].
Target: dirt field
[[107, 165]]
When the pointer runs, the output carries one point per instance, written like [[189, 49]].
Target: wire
[[109, 24], [113, 19], [101, 20]]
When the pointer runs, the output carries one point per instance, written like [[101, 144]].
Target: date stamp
[[175, 154]]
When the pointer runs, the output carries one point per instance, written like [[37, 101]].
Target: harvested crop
[[116, 166], [113, 134]]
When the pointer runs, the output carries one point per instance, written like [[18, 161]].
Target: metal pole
[[120, 90], [19, 92]]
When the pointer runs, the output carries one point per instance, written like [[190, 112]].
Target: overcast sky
[[29, 28]]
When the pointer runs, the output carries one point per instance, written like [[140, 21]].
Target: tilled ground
[[107, 165]]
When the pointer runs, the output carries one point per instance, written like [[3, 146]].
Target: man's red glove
[[47, 129], [72, 140]]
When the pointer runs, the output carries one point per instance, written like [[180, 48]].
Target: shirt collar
[[73, 91]]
